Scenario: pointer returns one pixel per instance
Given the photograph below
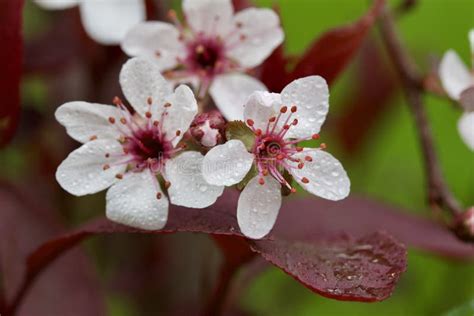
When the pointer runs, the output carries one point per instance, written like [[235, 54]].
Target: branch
[[439, 193]]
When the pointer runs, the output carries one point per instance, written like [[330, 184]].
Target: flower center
[[205, 55], [274, 152], [147, 145], [144, 142]]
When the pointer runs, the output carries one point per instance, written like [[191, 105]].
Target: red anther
[[243, 37], [178, 132], [93, 137], [123, 120], [119, 176], [283, 109], [239, 24], [294, 108], [158, 195], [265, 172], [250, 122], [149, 100], [106, 166], [156, 123], [180, 38], [299, 149], [258, 132], [304, 180], [295, 122], [107, 155], [167, 184], [286, 126], [293, 190], [315, 136], [272, 119], [200, 49], [126, 151], [111, 120], [300, 165], [158, 53], [308, 158], [280, 157], [167, 105], [323, 146], [261, 181], [183, 146], [117, 101], [148, 115]]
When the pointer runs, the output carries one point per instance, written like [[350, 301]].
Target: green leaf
[[239, 130], [250, 175]]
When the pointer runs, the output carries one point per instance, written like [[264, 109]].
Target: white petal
[[181, 113], [466, 129], [311, 96], [212, 17], [157, 41], [471, 41], [327, 177], [107, 22], [258, 207], [133, 201], [188, 187], [262, 34], [454, 75], [84, 120], [260, 107], [141, 79], [56, 4], [230, 92], [227, 164], [82, 172]]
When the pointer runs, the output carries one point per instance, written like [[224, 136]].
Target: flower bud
[[465, 225], [208, 129]]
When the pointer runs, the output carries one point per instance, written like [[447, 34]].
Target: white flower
[[127, 152], [279, 122], [458, 82], [106, 21], [212, 51]]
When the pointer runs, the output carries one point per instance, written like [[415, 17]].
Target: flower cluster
[[144, 151]]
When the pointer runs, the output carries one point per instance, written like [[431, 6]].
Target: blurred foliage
[[388, 167]]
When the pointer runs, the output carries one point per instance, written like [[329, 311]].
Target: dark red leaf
[[329, 55], [23, 226], [364, 104], [218, 219], [312, 218], [365, 269], [10, 67], [273, 72]]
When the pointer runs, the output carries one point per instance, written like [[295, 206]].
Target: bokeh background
[[379, 148]]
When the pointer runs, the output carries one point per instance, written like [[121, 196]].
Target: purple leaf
[[330, 54], [364, 105], [23, 226], [10, 65], [312, 218], [365, 269], [219, 220]]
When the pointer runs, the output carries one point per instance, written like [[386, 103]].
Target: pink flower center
[[144, 142], [206, 56], [274, 153]]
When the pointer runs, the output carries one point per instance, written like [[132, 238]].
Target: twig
[[438, 192]]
